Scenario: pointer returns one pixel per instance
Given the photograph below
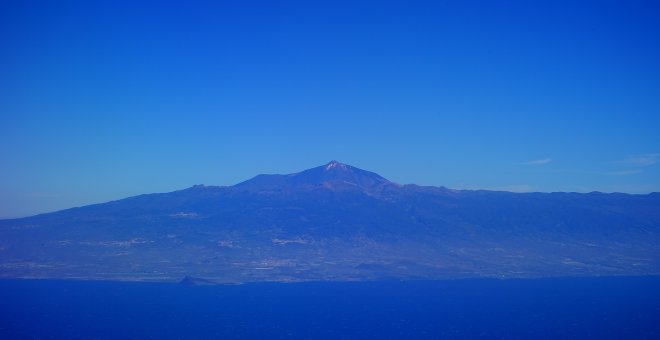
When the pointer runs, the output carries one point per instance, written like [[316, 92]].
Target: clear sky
[[101, 100]]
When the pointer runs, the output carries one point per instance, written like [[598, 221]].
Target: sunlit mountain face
[[337, 222]]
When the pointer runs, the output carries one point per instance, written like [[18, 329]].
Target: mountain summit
[[333, 175], [336, 222]]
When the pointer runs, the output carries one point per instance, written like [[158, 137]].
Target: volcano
[[337, 222]]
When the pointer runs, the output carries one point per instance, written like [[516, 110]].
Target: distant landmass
[[337, 222]]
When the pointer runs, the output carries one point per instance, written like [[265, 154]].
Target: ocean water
[[599, 308]]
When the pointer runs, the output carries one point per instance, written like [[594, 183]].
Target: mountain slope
[[333, 176], [337, 222]]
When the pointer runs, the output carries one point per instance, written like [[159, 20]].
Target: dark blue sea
[[598, 308]]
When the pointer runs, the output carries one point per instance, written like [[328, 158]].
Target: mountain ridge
[[331, 175], [337, 222], [272, 181]]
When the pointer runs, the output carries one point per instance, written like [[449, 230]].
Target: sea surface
[[598, 308]]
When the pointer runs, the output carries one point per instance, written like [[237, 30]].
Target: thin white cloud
[[539, 161], [642, 160], [623, 172]]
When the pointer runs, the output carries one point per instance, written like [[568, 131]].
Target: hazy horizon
[[508, 189]]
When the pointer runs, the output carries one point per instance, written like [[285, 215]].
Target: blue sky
[[100, 100]]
